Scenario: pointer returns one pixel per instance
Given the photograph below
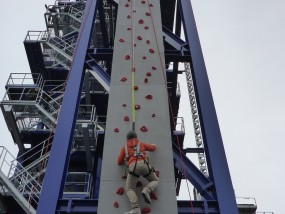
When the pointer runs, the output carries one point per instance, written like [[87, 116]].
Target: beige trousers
[[141, 169]]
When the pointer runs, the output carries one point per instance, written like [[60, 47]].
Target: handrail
[[20, 79], [179, 125], [38, 149], [17, 174], [83, 180], [33, 35]]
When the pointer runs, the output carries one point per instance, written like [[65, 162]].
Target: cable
[[171, 110], [133, 69]]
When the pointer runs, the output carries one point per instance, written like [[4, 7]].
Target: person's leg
[[131, 187], [153, 182]]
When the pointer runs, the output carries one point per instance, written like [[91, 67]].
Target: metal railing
[[101, 123], [26, 94], [179, 125], [33, 155], [37, 36], [86, 114], [78, 183], [178, 91], [264, 213], [19, 176], [246, 200], [20, 79]]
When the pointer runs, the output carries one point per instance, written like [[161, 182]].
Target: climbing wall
[[138, 63]]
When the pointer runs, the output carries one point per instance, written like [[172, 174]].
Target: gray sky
[[243, 42]]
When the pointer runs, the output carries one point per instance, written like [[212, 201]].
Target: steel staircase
[[18, 181]]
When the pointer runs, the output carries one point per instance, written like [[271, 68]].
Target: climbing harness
[[136, 154]]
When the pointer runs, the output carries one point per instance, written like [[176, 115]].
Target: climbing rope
[[171, 109], [133, 67]]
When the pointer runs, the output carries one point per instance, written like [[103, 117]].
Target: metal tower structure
[[101, 68]]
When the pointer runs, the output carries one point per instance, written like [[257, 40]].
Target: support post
[[60, 152], [214, 149]]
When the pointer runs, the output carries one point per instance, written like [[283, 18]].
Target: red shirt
[[130, 144]]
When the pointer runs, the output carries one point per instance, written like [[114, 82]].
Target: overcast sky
[[243, 42]]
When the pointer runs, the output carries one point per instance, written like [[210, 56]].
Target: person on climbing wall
[[134, 153]]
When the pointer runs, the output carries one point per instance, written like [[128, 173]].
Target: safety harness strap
[[138, 153]]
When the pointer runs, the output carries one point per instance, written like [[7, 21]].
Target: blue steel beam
[[214, 149], [107, 54], [89, 206], [200, 182], [58, 162], [174, 40]]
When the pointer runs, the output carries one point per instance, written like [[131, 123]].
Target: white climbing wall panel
[[138, 43]]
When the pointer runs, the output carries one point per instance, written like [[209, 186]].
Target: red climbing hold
[[149, 97], [146, 27], [147, 14], [141, 21], [144, 57], [153, 68], [157, 173], [126, 118], [143, 129], [143, 2], [139, 184], [127, 5], [116, 130], [127, 57], [151, 5], [128, 16], [124, 176], [120, 191], [124, 79], [148, 74], [129, 28], [116, 204], [139, 38], [145, 80], [147, 42], [153, 196], [153, 115], [124, 105], [137, 107], [136, 87], [145, 210], [121, 40], [151, 50]]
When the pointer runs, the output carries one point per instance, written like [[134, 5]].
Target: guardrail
[[21, 79], [78, 183], [19, 176]]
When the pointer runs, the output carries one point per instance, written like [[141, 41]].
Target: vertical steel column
[[58, 162], [214, 149]]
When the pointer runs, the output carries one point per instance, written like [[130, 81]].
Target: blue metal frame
[[217, 190], [58, 162], [194, 175], [90, 207], [214, 149]]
